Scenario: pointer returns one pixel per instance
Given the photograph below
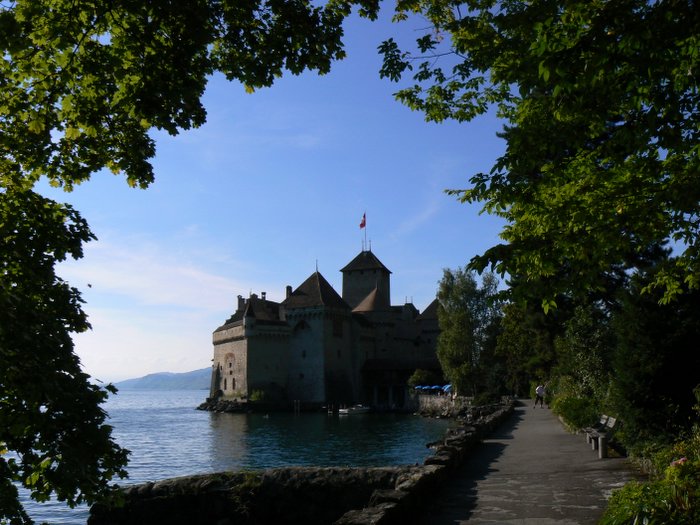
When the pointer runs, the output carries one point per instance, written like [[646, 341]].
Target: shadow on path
[[529, 471]]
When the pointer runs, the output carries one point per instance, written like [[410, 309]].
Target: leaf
[[36, 125], [72, 133]]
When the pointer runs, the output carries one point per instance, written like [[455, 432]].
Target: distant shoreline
[[194, 380]]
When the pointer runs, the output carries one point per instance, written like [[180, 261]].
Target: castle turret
[[362, 275]]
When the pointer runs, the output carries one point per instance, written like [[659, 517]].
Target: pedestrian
[[539, 396]]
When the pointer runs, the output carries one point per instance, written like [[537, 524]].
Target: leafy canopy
[[81, 86], [600, 100], [84, 82]]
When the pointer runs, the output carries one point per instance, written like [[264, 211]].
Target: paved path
[[531, 472]]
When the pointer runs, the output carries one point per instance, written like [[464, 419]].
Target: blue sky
[[275, 183]]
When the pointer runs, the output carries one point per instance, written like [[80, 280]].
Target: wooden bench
[[599, 434]]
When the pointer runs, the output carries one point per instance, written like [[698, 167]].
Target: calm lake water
[[169, 438]]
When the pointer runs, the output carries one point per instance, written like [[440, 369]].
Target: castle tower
[[362, 275]]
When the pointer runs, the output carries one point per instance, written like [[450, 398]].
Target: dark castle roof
[[315, 291], [374, 302], [430, 312], [261, 309], [365, 260]]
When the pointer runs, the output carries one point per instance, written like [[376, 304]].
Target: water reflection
[[228, 443], [263, 441]]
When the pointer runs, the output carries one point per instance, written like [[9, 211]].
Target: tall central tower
[[362, 275]]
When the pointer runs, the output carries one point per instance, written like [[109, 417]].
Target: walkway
[[530, 472]]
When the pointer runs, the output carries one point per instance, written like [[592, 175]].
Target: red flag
[[363, 223]]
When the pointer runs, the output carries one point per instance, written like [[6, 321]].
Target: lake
[[169, 438]]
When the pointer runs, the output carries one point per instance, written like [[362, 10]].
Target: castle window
[[233, 383], [230, 365], [303, 354], [225, 383]]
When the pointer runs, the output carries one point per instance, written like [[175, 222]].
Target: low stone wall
[[441, 406], [301, 495]]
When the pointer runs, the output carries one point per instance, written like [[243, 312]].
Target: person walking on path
[[539, 395]]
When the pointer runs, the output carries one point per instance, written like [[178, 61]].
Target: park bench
[[599, 434]]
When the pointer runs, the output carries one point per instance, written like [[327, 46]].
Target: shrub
[[486, 398], [577, 412], [636, 502], [673, 497], [257, 396], [673, 500]]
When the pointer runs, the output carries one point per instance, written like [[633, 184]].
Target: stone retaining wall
[[301, 495]]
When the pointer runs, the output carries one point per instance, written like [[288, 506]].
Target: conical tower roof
[[315, 291], [365, 260], [374, 302]]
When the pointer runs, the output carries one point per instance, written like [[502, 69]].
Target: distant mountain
[[195, 380]]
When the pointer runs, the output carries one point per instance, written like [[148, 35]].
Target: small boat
[[355, 409]]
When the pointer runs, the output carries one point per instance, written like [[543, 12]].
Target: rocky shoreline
[[308, 495], [224, 405]]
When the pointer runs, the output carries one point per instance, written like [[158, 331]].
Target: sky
[[273, 186]]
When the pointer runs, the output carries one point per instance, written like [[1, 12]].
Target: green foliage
[[639, 502], [424, 377], [655, 363], [673, 495], [467, 315], [257, 395], [674, 499], [583, 351], [83, 86], [577, 412], [524, 346], [600, 101], [485, 398], [49, 410]]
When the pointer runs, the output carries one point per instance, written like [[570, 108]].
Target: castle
[[318, 348]]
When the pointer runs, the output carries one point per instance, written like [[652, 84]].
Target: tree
[[655, 363], [600, 103], [584, 354], [525, 346], [422, 377], [49, 411], [466, 315], [82, 85]]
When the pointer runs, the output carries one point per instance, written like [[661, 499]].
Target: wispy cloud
[[148, 274], [151, 310], [417, 218], [126, 343]]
